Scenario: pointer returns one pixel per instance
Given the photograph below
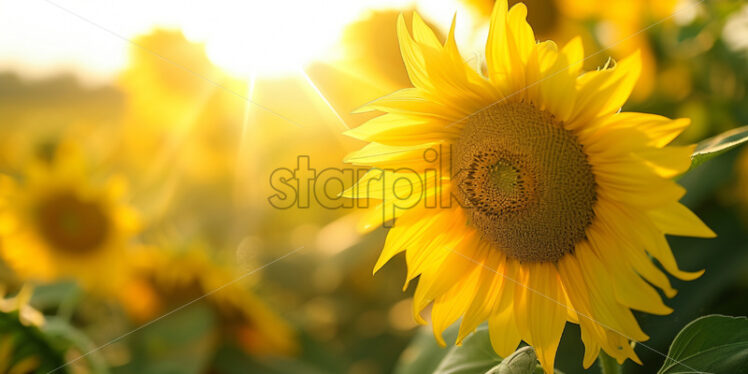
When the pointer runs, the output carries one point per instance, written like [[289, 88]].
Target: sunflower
[[544, 201], [166, 279], [59, 223]]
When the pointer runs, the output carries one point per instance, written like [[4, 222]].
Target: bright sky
[[38, 37]]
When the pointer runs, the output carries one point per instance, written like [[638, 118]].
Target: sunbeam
[[327, 102]]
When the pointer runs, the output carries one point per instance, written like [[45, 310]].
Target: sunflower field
[[367, 187]]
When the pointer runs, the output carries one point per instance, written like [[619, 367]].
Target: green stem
[[608, 365]]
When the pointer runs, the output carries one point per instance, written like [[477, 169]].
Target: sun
[[550, 199], [266, 37]]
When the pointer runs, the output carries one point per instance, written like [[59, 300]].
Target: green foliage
[[474, 356], [424, 355], [71, 338], [711, 344], [183, 342], [20, 342], [607, 364], [717, 145]]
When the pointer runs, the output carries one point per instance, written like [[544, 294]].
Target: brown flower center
[[72, 225], [525, 181]]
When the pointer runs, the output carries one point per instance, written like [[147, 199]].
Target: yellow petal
[[539, 310], [574, 53], [604, 91], [440, 239], [486, 296], [502, 325], [635, 249], [646, 195], [630, 289], [520, 43], [502, 329], [404, 130], [449, 306], [668, 162], [410, 227], [605, 309], [412, 56], [676, 219], [655, 243], [541, 60], [522, 36], [557, 89], [415, 101], [420, 157], [558, 84], [434, 281], [496, 45], [423, 33], [573, 281], [660, 130]]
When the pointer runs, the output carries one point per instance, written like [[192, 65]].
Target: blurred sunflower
[[59, 223], [166, 279], [618, 25], [560, 197]]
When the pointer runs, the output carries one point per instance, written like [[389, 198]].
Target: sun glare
[[267, 37], [263, 38], [250, 37]]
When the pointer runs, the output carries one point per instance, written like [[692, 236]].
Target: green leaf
[[711, 344], [715, 146], [27, 342], [423, 354], [167, 347], [607, 364], [61, 331], [475, 355]]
